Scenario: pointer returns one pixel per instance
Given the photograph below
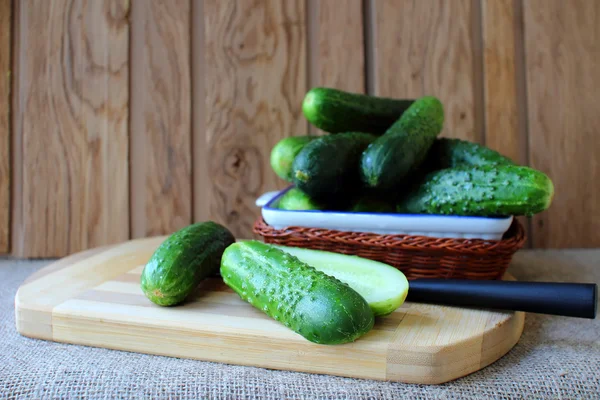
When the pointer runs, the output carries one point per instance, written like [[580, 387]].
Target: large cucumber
[[319, 307], [327, 168], [183, 260], [485, 190], [335, 111], [284, 152], [384, 287], [448, 153], [387, 162]]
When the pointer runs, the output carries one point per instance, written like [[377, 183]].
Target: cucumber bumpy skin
[[319, 307], [486, 190], [296, 199], [389, 160], [451, 152], [335, 111], [183, 260]]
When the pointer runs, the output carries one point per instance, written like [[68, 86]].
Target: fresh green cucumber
[[387, 162], [381, 285], [296, 199], [448, 153], [284, 152], [335, 111], [183, 260], [317, 306], [327, 167], [486, 190], [372, 204]]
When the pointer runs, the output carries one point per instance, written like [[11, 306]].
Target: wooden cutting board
[[93, 298]]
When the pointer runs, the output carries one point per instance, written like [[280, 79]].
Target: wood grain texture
[[563, 80], [428, 47], [95, 299], [500, 79], [70, 126], [340, 58], [5, 80], [255, 55], [161, 121]]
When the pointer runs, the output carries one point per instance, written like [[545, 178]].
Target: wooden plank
[[255, 83], [95, 299], [429, 47], [70, 126], [500, 79], [161, 190], [5, 49], [563, 81]]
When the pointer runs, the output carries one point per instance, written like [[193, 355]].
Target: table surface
[[557, 357]]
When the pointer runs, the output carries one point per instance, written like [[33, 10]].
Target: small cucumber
[[448, 153], [284, 152], [317, 306], [183, 260], [296, 199], [335, 111], [384, 287], [326, 169], [387, 162], [486, 190]]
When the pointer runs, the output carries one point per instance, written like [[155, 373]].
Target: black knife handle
[[566, 299]]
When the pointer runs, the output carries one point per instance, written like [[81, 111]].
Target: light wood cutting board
[[93, 298]]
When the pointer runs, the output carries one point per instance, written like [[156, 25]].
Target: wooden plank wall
[[122, 119]]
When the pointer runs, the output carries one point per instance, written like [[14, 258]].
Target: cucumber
[[296, 199], [183, 260], [448, 153], [317, 306], [392, 157], [383, 287], [327, 168], [284, 152], [486, 190], [372, 204], [335, 111]]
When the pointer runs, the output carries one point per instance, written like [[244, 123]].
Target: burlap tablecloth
[[555, 358]]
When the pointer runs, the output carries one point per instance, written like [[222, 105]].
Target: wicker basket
[[415, 256]]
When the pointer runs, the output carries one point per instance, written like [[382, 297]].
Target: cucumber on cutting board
[[327, 168], [450, 152], [400, 151], [383, 287], [335, 111], [284, 153], [486, 190], [319, 307], [296, 199], [183, 260]]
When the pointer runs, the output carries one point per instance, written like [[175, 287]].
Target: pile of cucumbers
[[385, 155], [327, 298]]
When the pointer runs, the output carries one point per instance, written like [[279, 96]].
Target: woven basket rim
[[512, 241]]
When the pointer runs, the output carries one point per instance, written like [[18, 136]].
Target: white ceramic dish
[[439, 226]]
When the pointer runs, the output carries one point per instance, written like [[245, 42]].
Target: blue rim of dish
[[268, 206]]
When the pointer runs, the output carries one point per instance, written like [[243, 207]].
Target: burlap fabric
[[557, 358]]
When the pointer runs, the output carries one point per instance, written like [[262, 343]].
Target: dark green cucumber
[[485, 190], [448, 153], [296, 199], [327, 167], [183, 260], [284, 152], [335, 111], [372, 204], [387, 162], [317, 306]]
